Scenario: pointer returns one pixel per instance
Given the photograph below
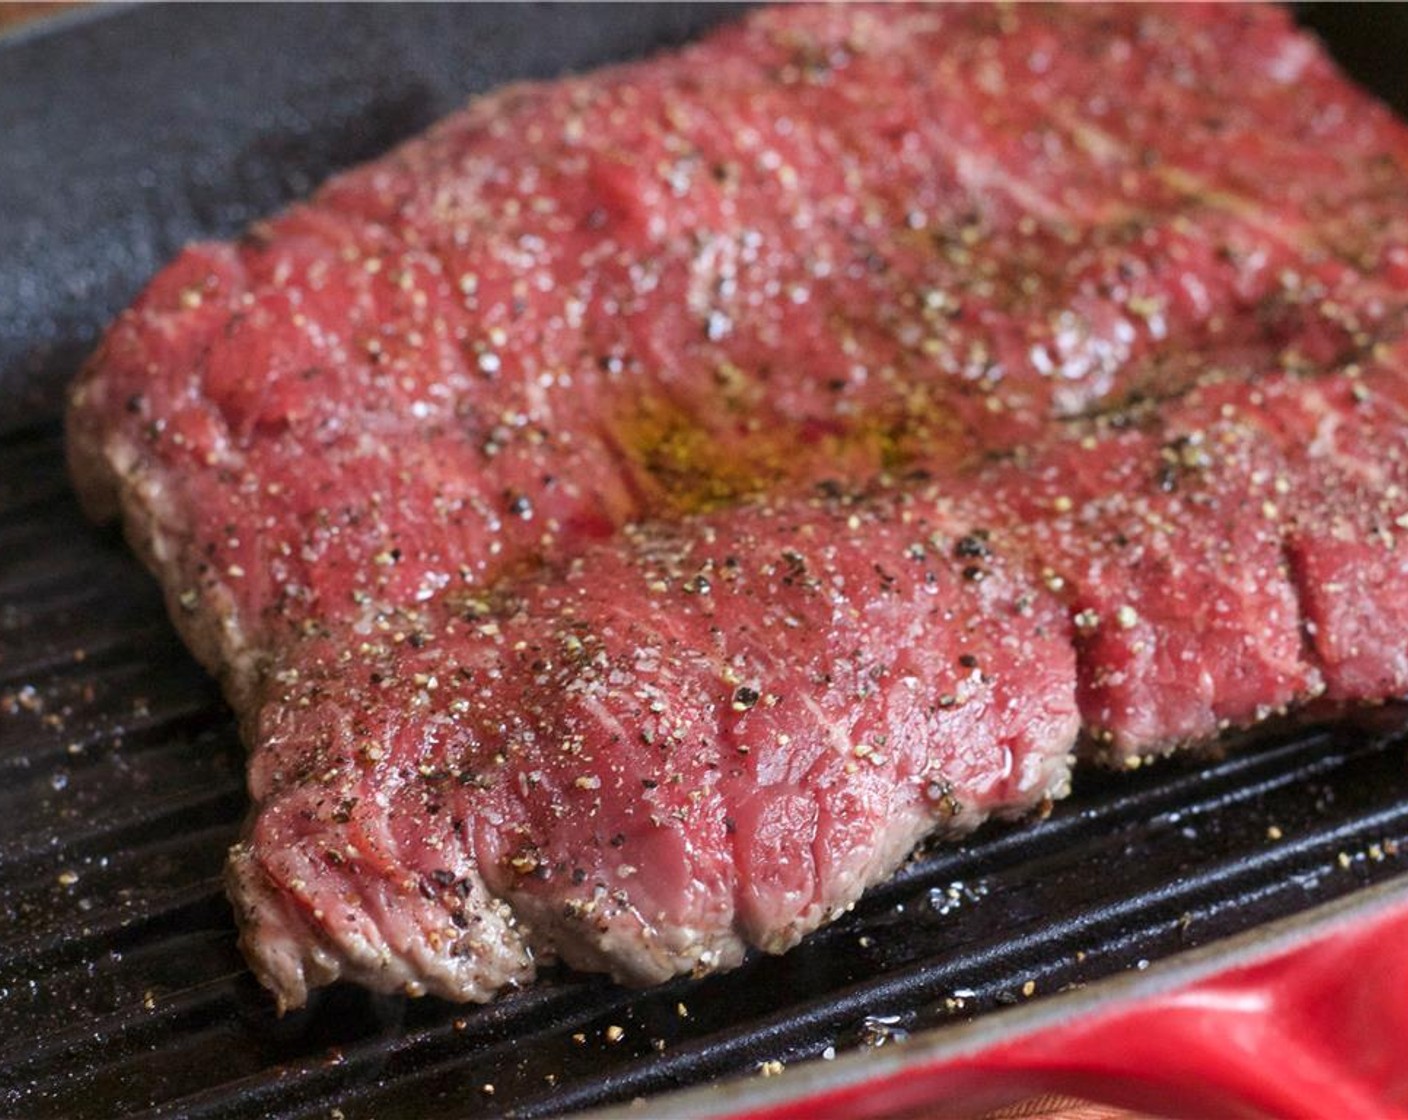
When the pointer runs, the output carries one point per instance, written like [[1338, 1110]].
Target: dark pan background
[[125, 132]]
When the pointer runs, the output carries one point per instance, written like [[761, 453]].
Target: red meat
[[627, 518]]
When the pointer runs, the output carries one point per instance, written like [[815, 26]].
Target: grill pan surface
[[127, 131]]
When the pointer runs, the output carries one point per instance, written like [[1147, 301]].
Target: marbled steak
[[630, 516]]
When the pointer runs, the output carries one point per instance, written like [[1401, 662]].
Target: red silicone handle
[[1319, 1030]]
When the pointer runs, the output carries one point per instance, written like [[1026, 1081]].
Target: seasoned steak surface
[[632, 515]]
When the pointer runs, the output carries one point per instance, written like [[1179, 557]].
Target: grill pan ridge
[[121, 776]]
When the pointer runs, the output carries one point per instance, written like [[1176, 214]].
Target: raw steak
[[629, 517]]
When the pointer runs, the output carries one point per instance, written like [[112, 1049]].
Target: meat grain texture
[[629, 517]]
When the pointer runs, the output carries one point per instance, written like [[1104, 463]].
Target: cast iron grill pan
[[121, 776]]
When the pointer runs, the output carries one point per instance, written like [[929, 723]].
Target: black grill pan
[[126, 131]]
